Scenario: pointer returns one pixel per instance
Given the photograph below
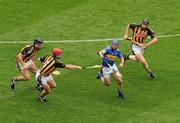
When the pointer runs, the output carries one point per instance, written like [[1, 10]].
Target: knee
[[48, 91], [46, 88], [107, 84], [26, 78], [54, 86], [120, 82], [136, 59], [143, 61], [118, 75]]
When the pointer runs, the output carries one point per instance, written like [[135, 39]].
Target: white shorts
[[43, 79], [137, 49], [107, 71], [29, 64]]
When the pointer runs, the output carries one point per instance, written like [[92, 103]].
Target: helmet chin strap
[[113, 48], [36, 47]]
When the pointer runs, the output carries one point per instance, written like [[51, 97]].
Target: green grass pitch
[[79, 97]]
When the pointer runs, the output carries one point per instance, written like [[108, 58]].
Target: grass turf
[[79, 97]]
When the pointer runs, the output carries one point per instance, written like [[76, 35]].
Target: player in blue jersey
[[108, 56]]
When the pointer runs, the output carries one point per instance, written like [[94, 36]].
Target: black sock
[[126, 57]]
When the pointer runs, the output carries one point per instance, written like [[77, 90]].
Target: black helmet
[[38, 41], [145, 21]]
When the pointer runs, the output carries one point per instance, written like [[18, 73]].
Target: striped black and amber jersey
[[28, 52], [139, 34], [49, 63]]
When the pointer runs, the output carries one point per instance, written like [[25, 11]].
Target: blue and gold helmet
[[115, 42]]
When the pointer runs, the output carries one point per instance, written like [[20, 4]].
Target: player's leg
[[130, 57], [32, 67], [118, 77], [24, 72], [135, 50], [24, 77], [51, 82], [104, 75], [100, 75], [38, 81], [138, 56], [141, 59], [107, 81], [46, 89]]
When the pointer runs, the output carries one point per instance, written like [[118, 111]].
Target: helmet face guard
[[38, 41], [145, 22], [115, 42]]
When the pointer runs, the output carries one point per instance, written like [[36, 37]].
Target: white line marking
[[77, 41]]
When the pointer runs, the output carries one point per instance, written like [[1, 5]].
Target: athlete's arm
[[146, 45], [121, 64], [33, 67], [33, 58], [20, 56], [67, 66], [126, 33], [153, 41], [101, 53], [130, 26], [153, 38], [20, 59], [41, 60]]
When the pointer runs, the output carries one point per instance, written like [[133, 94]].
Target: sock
[[148, 70], [102, 79], [120, 93], [15, 79], [126, 57]]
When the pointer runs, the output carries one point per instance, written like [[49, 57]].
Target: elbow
[[125, 37], [128, 26], [19, 57], [98, 52], [155, 39]]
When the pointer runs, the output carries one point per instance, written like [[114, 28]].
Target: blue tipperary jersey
[[110, 55]]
